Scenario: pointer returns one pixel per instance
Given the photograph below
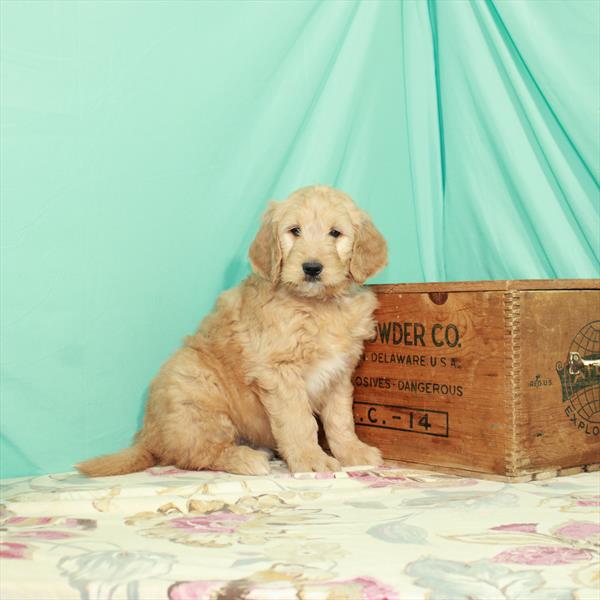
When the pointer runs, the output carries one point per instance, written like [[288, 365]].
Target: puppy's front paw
[[359, 453], [313, 460]]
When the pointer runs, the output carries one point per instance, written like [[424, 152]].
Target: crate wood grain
[[499, 379]]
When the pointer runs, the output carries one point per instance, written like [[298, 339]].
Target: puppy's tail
[[130, 460]]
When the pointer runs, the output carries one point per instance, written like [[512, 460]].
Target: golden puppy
[[278, 349]]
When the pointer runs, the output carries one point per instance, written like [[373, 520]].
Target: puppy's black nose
[[312, 269]]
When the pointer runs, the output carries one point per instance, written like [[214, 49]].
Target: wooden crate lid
[[491, 286]]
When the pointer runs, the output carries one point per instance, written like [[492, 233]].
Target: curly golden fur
[[277, 349]]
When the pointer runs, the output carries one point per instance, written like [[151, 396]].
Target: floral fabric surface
[[362, 534]]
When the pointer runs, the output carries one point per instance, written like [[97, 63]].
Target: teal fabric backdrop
[[141, 141]]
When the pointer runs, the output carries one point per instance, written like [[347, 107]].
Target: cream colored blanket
[[361, 534]]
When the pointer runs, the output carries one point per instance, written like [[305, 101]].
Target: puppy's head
[[317, 242]]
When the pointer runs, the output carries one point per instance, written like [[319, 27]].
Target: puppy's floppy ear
[[265, 251], [369, 253]]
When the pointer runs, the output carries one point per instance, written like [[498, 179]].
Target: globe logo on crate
[[580, 379]]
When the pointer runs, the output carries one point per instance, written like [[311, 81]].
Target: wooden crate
[[498, 378]]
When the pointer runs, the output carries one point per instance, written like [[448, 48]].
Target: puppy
[[277, 349]]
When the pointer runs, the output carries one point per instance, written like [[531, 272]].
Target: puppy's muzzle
[[312, 270]]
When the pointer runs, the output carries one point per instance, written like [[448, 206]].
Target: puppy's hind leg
[[242, 460], [208, 441], [225, 454], [187, 422]]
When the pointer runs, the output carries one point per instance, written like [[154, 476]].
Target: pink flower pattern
[[527, 527], [13, 550], [388, 477], [374, 590], [542, 555], [194, 590], [218, 522], [28, 521], [359, 588], [42, 529], [377, 481], [588, 503], [579, 530], [43, 534]]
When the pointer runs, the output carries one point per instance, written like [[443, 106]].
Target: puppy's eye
[[295, 231], [335, 233]]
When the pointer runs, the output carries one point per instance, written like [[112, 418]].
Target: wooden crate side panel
[[561, 402], [430, 388]]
